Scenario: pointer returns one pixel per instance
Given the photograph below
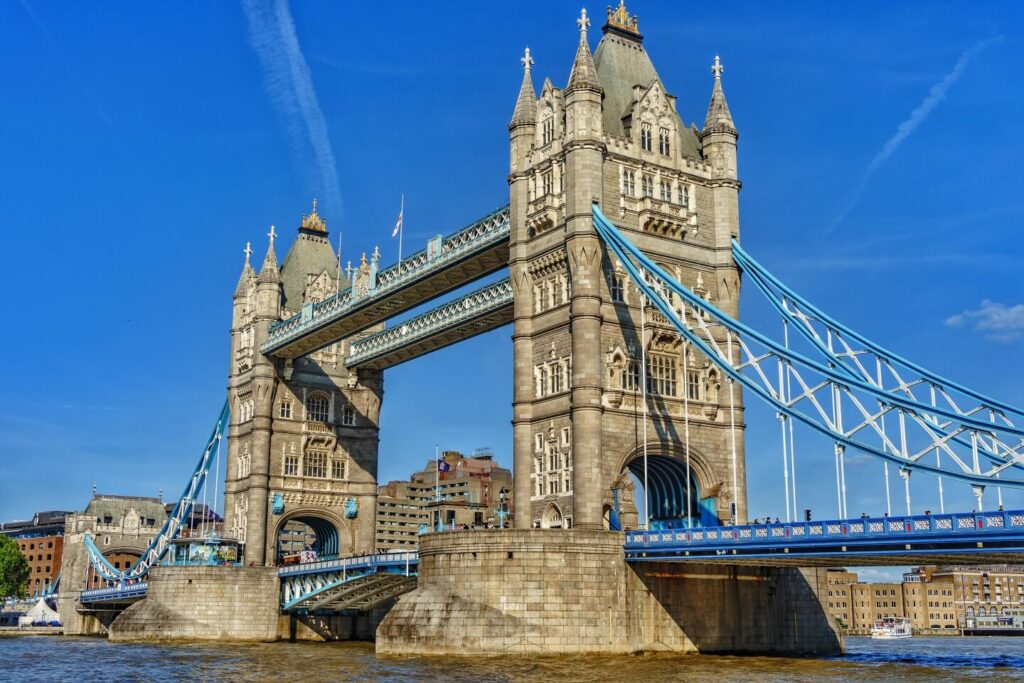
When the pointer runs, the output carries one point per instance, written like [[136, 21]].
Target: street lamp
[[502, 509]]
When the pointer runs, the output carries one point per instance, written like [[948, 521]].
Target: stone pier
[[558, 591]]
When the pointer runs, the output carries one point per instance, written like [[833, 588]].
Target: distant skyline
[[879, 153]]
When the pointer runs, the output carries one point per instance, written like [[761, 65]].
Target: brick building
[[41, 541]]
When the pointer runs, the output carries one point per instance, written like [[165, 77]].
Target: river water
[[57, 658]]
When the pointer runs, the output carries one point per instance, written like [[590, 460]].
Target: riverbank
[[31, 630]]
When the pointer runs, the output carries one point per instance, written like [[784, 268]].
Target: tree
[[14, 569]]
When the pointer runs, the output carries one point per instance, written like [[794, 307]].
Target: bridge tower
[[302, 446], [615, 136]]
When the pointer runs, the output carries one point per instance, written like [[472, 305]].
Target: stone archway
[[552, 518], [681, 493], [308, 530]]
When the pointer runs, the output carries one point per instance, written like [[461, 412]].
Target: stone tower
[[302, 447], [615, 136]]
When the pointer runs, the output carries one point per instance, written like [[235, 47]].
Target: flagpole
[[401, 228], [437, 487], [337, 289]]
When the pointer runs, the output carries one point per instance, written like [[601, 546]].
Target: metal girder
[[469, 254], [480, 311], [362, 593], [847, 409]]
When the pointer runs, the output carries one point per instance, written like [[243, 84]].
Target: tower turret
[[243, 289], [268, 283]]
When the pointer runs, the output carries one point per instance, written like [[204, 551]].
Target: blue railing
[[871, 535], [115, 593], [373, 563]]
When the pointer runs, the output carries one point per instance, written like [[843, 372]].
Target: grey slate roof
[[309, 254], [622, 62], [116, 507]]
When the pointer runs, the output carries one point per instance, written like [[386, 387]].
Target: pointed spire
[[247, 272], [526, 106], [269, 271], [718, 120], [584, 74]]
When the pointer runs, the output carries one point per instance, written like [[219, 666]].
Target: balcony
[[663, 218], [544, 213]]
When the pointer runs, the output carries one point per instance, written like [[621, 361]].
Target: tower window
[[285, 410], [318, 408], [666, 191], [548, 130], [548, 181], [628, 183], [664, 141], [631, 376], [648, 185], [348, 416], [291, 466], [661, 375], [315, 464], [617, 289], [693, 385], [337, 469], [684, 194], [645, 137]]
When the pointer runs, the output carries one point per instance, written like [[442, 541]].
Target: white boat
[[891, 628]]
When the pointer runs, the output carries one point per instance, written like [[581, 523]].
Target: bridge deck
[[474, 252], [480, 311]]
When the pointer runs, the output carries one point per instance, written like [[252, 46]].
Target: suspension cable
[[792, 444], [732, 429], [888, 499], [643, 394], [686, 428], [216, 473], [782, 425]]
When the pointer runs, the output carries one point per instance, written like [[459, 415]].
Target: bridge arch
[[309, 529], [667, 480], [552, 517]]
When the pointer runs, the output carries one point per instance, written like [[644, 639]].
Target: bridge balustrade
[[114, 593]]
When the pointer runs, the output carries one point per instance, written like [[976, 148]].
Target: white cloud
[[290, 86], [998, 321], [907, 127]]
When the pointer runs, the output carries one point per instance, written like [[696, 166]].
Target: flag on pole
[[398, 223], [442, 466]]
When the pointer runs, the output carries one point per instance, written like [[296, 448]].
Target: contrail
[[917, 117], [290, 87]]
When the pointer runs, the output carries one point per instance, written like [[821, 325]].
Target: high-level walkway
[[479, 249]]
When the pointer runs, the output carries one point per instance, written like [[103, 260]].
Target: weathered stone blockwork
[[571, 591], [204, 603]]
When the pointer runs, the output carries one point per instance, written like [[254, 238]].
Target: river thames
[[96, 659]]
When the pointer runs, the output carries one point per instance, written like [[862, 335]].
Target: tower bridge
[[622, 247]]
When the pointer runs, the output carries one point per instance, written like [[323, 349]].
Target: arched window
[[318, 408], [645, 137], [348, 416], [631, 376]]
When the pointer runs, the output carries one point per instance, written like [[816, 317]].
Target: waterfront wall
[[571, 591], [204, 603]]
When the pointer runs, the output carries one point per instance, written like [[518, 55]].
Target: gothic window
[[565, 437], [628, 183], [348, 416], [693, 385], [244, 462], [553, 460], [548, 130], [538, 442], [543, 381], [666, 191], [617, 288], [548, 180], [556, 292], [645, 137], [664, 138], [291, 465], [337, 469], [631, 376], [648, 185], [318, 408], [661, 375], [286, 409], [557, 378], [315, 464], [684, 194]]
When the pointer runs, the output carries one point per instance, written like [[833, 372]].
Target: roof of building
[[622, 62], [310, 254], [115, 507]]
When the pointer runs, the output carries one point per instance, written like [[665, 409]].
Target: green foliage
[[14, 569]]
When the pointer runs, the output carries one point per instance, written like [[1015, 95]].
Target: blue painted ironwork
[[473, 306], [277, 506], [176, 521], [303, 585], [871, 537], [482, 234], [123, 592], [351, 508], [764, 366]]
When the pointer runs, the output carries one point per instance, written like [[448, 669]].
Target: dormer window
[[664, 138], [548, 130], [645, 137]]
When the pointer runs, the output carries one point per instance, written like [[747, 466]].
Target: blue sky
[[143, 145]]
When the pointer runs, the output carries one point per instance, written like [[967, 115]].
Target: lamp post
[[502, 509]]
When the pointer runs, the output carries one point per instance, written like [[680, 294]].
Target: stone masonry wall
[[204, 603], [571, 591]]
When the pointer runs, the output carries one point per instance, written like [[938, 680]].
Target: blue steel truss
[[121, 593], [829, 399], [996, 534], [347, 583], [480, 235], [176, 521], [457, 314]]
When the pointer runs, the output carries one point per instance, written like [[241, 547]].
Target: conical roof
[[718, 119], [584, 74], [526, 105]]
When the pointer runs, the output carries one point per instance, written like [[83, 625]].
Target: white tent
[[41, 613]]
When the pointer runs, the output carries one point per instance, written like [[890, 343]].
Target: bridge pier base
[[203, 603], [571, 591]]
